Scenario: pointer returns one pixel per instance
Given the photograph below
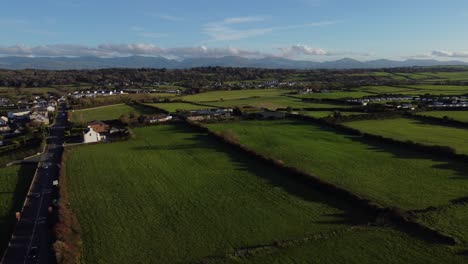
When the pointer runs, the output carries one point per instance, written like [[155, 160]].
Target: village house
[[39, 118], [91, 136], [99, 126], [4, 125]]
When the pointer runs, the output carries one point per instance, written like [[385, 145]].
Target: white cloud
[[119, 50], [240, 20], [225, 30], [167, 17], [449, 54], [300, 50]]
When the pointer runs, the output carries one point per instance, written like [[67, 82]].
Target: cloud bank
[[121, 50]]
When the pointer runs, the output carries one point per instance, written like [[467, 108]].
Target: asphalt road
[[32, 239]]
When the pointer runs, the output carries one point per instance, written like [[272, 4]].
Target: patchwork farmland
[[298, 170], [216, 203]]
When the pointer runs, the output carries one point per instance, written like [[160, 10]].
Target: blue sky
[[298, 29]]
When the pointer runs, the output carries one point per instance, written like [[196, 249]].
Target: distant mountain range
[[65, 63]]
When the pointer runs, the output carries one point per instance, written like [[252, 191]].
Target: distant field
[[233, 95], [384, 89], [388, 175], [177, 196], [173, 107], [408, 129], [334, 95], [452, 76], [322, 114], [357, 247], [455, 115], [14, 184], [274, 103], [105, 112]]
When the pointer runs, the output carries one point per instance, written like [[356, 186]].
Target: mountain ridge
[[89, 62]]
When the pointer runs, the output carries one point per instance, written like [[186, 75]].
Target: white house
[[91, 136]]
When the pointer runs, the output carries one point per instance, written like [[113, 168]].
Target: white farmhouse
[[91, 136]]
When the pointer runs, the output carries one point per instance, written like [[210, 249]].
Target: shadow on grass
[[294, 186]]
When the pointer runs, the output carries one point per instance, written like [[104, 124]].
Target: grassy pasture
[[232, 95], [105, 112], [408, 129], [450, 220], [335, 95], [455, 115], [388, 175], [172, 195], [354, 248], [14, 184], [451, 76], [384, 89], [276, 102], [173, 107]]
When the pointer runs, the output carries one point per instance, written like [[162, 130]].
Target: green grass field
[[388, 175], [276, 102], [451, 220], [105, 112], [14, 184], [335, 95], [232, 95], [373, 245], [384, 89], [455, 115], [177, 196], [174, 107], [405, 129]]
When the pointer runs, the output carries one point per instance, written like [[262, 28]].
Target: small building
[[99, 126], [91, 136], [161, 118], [19, 114], [39, 118]]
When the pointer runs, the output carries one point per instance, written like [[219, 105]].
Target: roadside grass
[[455, 115], [105, 112], [14, 184], [174, 107], [405, 129], [224, 95], [173, 195], [372, 245], [386, 174]]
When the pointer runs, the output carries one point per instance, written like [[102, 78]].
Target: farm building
[[99, 126], [91, 136], [207, 114]]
